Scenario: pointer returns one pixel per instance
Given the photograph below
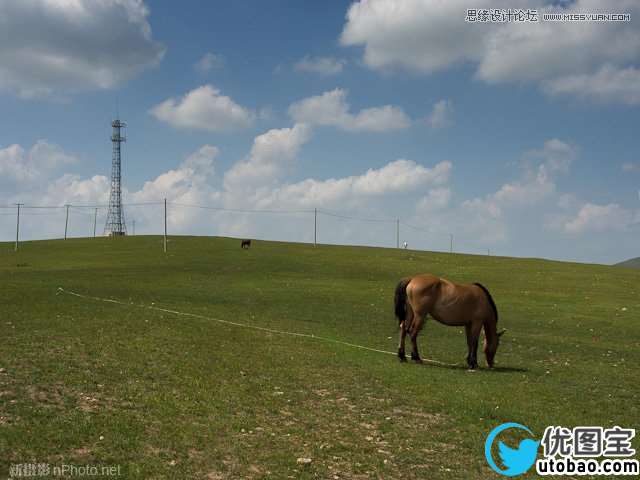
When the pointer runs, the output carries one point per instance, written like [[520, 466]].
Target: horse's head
[[491, 347]]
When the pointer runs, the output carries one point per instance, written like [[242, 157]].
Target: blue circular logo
[[516, 460]]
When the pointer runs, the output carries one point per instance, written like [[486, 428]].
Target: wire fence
[[318, 226]]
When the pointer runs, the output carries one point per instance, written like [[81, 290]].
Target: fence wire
[[321, 226]]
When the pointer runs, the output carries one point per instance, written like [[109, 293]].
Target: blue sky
[[517, 138]]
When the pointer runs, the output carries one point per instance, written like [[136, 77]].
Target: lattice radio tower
[[116, 225]]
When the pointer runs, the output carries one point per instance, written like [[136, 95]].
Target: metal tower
[[116, 225]]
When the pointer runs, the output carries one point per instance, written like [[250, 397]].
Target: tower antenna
[[116, 225]]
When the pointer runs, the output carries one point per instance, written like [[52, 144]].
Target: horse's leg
[[403, 334], [404, 326], [416, 326], [473, 333]]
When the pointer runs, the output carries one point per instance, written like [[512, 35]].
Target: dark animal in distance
[[468, 305], [245, 243]]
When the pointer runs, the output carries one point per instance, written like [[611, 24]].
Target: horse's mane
[[490, 298]]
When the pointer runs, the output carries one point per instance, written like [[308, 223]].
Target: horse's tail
[[490, 298], [400, 300]]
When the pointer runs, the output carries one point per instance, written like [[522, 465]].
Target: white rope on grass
[[236, 324]]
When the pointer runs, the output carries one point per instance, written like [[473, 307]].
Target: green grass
[[166, 396]]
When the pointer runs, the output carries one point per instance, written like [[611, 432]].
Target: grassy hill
[[167, 396], [631, 263]]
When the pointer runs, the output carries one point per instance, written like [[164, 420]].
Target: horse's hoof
[[401, 355]]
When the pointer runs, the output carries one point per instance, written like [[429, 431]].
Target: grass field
[[167, 396]]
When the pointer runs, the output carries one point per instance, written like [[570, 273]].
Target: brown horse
[[470, 305], [245, 243]]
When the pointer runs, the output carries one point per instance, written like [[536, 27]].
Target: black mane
[[490, 298]]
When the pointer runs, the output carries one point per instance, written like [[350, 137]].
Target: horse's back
[[448, 302], [422, 290], [424, 280]]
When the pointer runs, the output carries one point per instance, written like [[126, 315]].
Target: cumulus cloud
[[204, 108], [488, 218], [606, 84], [435, 199], [397, 177], [441, 115], [208, 62], [320, 65], [50, 49], [587, 59], [332, 109], [602, 218], [420, 194], [191, 183], [73, 189], [538, 182], [188, 182], [421, 35], [270, 154], [18, 165]]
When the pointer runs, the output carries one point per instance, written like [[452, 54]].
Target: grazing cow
[[245, 243]]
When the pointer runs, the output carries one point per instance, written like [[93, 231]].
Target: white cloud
[[419, 195], [587, 59], [602, 218], [395, 178], [331, 108], [204, 108], [270, 154], [320, 65], [607, 84], [441, 115], [556, 156], [53, 48], [202, 160], [19, 166], [493, 219], [631, 167], [421, 35], [487, 216], [538, 182], [72, 189], [13, 164], [435, 199], [554, 50], [208, 62], [401, 176], [189, 182]]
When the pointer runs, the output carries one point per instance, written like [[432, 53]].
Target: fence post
[[66, 222], [315, 227], [95, 221], [397, 233], [18, 226], [451, 243], [165, 225]]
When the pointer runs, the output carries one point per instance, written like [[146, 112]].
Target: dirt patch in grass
[[47, 395]]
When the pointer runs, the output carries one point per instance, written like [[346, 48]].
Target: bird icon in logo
[[516, 460]]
